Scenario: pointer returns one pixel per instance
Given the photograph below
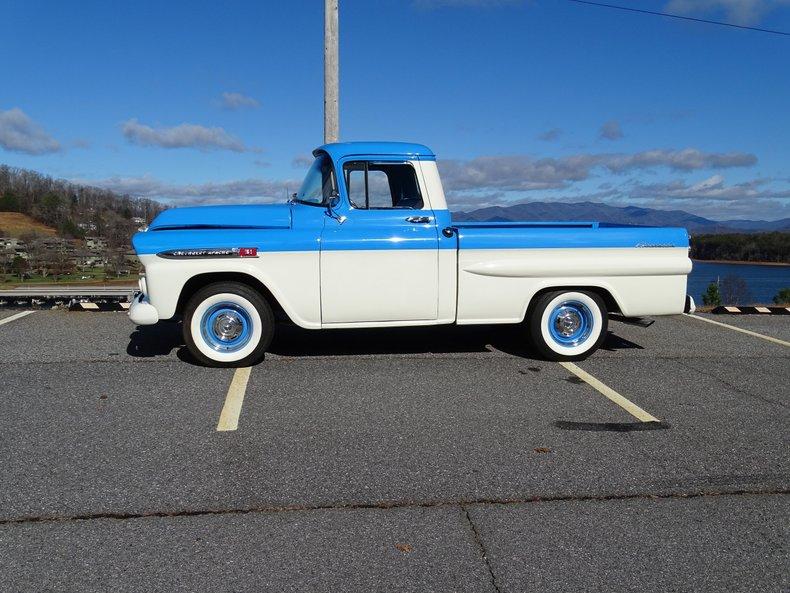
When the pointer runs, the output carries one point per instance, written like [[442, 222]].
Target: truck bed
[[545, 235], [502, 265]]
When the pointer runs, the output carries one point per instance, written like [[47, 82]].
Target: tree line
[[761, 247], [74, 210]]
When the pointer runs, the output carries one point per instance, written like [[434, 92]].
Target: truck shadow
[[147, 341], [614, 342], [290, 340]]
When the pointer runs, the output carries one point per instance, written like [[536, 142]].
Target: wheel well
[[197, 282], [608, 299]]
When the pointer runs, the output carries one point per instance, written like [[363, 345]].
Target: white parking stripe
[[607, 391], [229, 418], [739, 329], [15, 317]]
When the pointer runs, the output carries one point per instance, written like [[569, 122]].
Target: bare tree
[[735, 291]]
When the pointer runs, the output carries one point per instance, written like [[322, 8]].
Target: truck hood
[[268, 216]]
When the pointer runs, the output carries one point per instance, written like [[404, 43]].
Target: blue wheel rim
[[226, 327], [571, 323]]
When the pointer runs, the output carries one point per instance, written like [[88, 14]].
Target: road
[[411, 460]]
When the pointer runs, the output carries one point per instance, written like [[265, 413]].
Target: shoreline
[[740, 262]]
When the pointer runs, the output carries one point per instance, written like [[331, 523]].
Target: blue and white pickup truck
[[368, 241]]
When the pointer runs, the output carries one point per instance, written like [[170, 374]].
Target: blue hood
[[269, 216]]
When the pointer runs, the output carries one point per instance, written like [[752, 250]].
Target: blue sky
[[200, 102]]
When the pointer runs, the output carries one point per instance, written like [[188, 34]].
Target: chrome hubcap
[[567, 322], [228, 326], [570, 323]]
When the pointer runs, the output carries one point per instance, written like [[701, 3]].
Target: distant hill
[[73, 210], [753, 247], [593, 211], [16, 224]]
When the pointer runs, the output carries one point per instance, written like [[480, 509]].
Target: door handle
[[418, 219]]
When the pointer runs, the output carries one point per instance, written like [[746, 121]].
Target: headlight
[[142, 285]]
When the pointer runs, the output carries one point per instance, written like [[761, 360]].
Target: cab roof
[[339, 150]]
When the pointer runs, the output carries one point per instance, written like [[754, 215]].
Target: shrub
[[783, 296], [712, 297]]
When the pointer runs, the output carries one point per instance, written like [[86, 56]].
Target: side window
[[355, 184], [379, 193], [382, 185]]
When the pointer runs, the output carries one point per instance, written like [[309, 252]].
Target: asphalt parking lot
[[444, 459]]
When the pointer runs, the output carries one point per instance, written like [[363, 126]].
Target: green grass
[[97, 277]]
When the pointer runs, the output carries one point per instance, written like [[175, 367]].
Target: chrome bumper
[[690, 305], [141, 312]]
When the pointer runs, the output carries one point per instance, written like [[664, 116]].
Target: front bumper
[[141, 312]]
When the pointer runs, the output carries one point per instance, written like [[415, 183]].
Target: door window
[[377, 186]]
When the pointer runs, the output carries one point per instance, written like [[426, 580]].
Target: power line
[[677, 16]]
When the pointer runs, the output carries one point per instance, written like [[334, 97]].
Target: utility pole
[[331, 72]]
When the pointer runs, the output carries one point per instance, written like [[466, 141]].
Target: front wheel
[[568, 325], [228, 324]]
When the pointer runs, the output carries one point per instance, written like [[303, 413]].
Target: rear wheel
[[228, 324], [568, 325]]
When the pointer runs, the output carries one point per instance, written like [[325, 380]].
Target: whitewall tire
[[228, 324], [568, 325]]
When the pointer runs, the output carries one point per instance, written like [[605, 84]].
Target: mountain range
[[594, 211]]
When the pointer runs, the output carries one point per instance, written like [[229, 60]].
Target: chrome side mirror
[[332, 203]]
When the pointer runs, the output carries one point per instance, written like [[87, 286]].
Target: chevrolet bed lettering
[[368, 241]]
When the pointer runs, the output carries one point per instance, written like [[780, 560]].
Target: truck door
[[379, 254]]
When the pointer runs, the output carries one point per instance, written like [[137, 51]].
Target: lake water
[[763, 281]]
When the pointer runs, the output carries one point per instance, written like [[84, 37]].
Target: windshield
[[319, 183]]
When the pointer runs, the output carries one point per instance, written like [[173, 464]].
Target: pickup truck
[[368, 241]]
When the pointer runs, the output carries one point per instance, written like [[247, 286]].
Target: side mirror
[[332, 203]]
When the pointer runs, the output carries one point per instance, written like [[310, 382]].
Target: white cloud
[[712, 197], [550, 135], [302, 161], [19, 133], [487, 181], [738, 12], [525, 173], [687, 159], [611, 130], [712, 188], [236, 101], [182, 136], [237, 191], [756, 199]]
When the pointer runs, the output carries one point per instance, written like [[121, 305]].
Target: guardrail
[[102, 298], [68, 291]]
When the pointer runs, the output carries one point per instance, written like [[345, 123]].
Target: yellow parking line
[[229, 418], [610, 393], [739, 329], [11, 318]]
